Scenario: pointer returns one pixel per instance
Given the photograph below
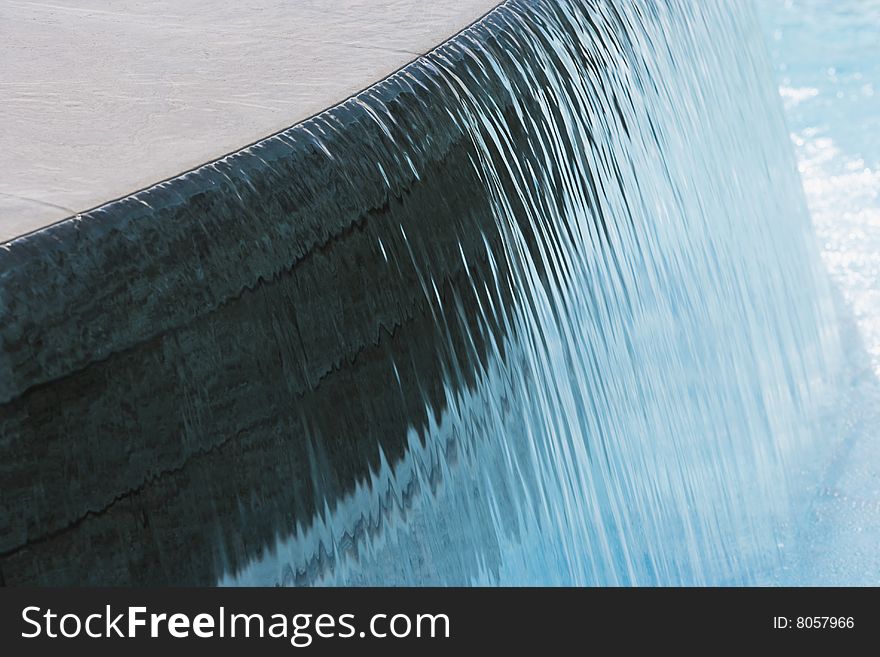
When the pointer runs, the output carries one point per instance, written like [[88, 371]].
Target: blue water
[[826, 57], [680, 395]]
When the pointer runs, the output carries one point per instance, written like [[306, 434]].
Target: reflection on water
[[827, 61], [654, 323]]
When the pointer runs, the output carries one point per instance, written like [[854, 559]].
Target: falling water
[[654, 324]]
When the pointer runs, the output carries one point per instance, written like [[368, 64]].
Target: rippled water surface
[[827, 61]]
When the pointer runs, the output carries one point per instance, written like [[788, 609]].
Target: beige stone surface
[[100, 98]]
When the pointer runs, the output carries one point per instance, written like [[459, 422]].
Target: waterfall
[[631, 382]]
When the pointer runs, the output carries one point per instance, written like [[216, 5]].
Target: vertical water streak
[[663, 339]]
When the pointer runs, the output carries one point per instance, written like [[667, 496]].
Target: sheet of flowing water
[[827, 60], [655, 398]]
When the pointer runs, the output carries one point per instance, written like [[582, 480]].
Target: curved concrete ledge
[[101, 100], [193, 370]]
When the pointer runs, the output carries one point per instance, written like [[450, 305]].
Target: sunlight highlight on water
[[827, 61]]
